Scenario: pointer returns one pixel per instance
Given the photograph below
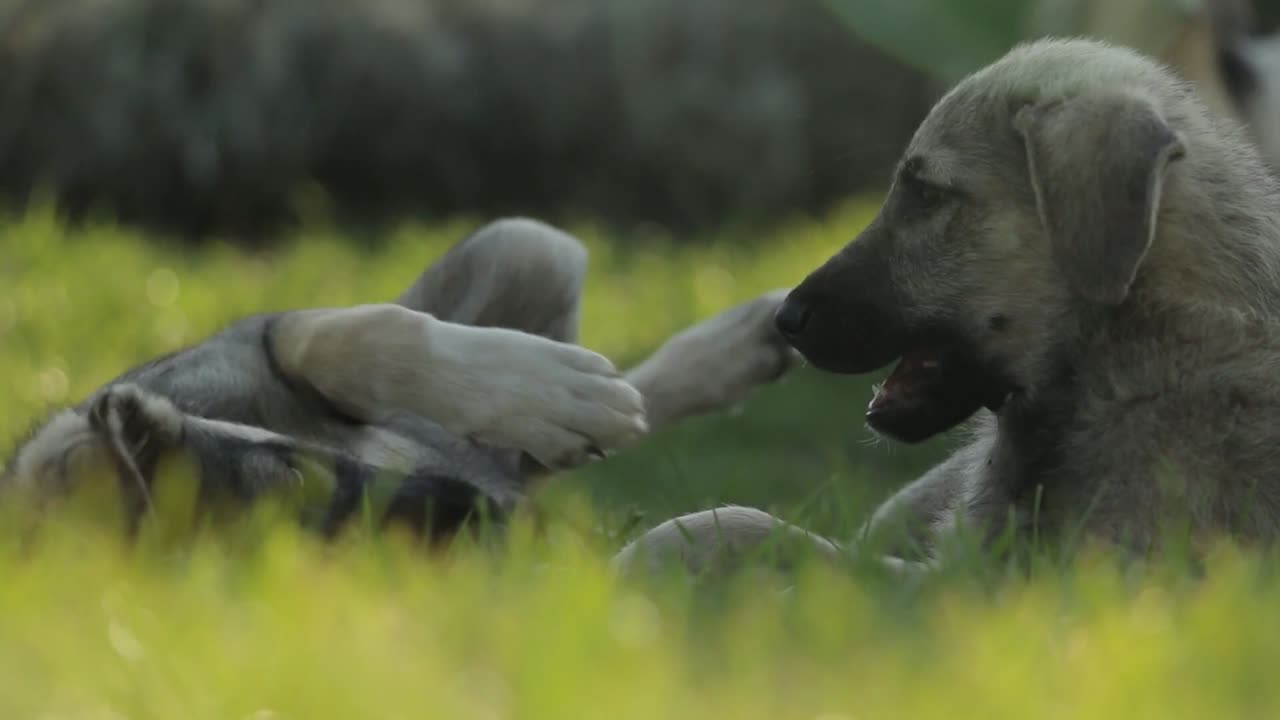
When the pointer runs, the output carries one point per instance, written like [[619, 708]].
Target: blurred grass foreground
[[272, 625]]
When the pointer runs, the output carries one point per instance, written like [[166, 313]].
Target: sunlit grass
[[266, 623]]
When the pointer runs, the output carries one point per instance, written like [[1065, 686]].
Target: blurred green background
[[243, 117]]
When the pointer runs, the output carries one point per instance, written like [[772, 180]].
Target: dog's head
[[1027, 199]]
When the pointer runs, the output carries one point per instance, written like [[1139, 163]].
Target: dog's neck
[[1029, 431], [1116, 361], [1139, 349], [1149, 345]]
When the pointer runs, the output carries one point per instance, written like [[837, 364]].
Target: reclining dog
[[1081, 261], [449, 401]]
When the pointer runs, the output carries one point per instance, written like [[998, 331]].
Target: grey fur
[[345, 397], [1128, 241]]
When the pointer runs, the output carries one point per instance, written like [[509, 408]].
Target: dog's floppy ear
[[1097, 166]]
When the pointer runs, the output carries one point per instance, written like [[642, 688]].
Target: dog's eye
[[927, 195]]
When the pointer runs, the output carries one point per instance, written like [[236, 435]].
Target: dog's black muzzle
[[846, 317], [841, 316]]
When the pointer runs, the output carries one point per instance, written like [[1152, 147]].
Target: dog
[[1079, 264], [442, 407]]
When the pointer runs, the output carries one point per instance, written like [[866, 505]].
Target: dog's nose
[[792, 317]]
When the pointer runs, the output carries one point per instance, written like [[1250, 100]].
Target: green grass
[[269, 625]]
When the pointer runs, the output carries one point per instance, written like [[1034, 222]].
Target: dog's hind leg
[[513, 273], [556, 401], [481, 344]]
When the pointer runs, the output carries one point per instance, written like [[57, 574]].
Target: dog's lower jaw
[[917, 427], [928, 395], [996, 402]]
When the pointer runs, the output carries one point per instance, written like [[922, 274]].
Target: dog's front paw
[[560, 403], [718, 362]]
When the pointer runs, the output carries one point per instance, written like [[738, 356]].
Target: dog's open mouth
[[931, 391]]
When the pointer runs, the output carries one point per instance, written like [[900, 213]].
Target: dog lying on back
[[1076, 254], [449, 401]]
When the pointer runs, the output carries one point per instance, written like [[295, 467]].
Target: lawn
[[269, 625]]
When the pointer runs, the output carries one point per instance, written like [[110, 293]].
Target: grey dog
[[435, 409], [1083, 263]]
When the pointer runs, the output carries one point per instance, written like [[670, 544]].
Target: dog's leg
[[901, 534], [718, 540], [481, 345], [727, 538], [714, 364], [909, 522], [527, 275], [558, 402], [513, 273]]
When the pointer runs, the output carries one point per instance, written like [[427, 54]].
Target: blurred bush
[[946, 39], [236, 115], [949, 39]]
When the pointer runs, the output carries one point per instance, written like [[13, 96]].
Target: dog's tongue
[[912, 371]]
